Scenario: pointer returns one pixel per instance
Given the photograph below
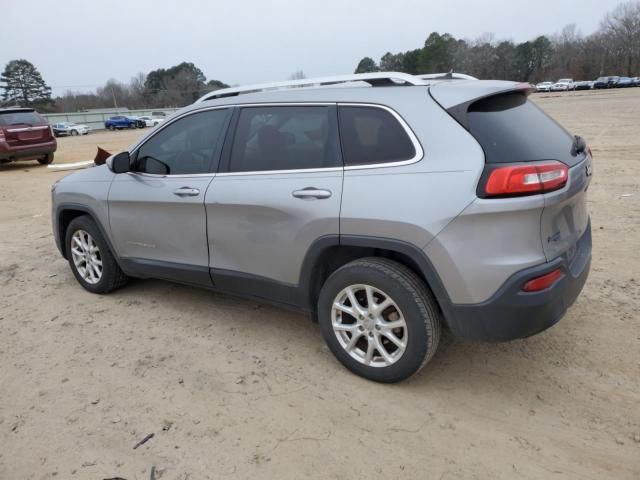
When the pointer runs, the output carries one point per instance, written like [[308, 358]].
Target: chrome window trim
[[179, 175], [414, 140], [281, 172]]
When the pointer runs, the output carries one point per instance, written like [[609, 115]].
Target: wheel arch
[[66, 213], [329, 253]]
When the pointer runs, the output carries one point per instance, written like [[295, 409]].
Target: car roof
[[450, 92]]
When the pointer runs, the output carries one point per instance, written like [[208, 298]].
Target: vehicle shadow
[[478, 366], [16, 166]]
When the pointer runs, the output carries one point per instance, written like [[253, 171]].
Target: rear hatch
[[24, 127], [514, 131]]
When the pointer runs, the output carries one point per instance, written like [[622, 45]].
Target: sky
[[80, 44]]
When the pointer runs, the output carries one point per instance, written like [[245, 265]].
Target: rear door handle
[[186, 192], [310, 193]]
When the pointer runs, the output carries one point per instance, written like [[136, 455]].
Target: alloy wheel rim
[[369, 325], [86, 257]]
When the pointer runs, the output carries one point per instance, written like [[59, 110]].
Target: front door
[[156, 212]]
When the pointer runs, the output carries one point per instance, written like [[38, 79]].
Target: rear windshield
[[19, 118], [511, 128]]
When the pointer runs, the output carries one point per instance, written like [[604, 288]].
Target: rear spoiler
[[456, 97]]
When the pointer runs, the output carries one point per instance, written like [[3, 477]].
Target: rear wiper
[[579, 145]]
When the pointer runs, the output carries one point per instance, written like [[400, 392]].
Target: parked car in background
[[601, 82], [636, 81], [563, 85], [544, 86], [584, 85], [25, 135], [70, 128], [612, 82], [120, 121], [151, 121], [625, 82]]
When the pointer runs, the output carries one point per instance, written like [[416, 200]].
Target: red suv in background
[[25, 135]]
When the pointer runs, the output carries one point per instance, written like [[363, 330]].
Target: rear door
[[279, 190], [156, 212]]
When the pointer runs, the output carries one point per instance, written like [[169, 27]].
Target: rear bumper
[[511, 313], [27, 152]]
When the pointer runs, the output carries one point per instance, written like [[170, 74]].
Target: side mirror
[[120, 163]]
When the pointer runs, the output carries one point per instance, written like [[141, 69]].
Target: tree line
[[614, 49], [176, 86]]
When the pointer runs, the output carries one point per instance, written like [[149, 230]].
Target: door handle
[[310, 193], [186, 192]]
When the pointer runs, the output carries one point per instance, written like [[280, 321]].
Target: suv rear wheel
[[379, 319], [91, 261], [46, 160]]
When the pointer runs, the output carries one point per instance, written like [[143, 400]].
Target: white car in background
[[69, 128], [544, 86], [151, 121], [563, 85]]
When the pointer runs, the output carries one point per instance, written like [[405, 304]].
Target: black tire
[[112, 276], [74, 133], [412, 297], [112, 127], [46, 160]]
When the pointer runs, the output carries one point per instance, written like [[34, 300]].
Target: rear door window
[[275, 138], [510, 128], [372, 135]]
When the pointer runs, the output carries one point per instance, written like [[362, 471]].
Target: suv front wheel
[[91, 261], [379, 319]]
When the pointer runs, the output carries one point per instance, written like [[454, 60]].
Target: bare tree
[[621, 28], [297, 75]]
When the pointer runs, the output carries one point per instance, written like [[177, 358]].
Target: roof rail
[[373, 79], [446, 76]]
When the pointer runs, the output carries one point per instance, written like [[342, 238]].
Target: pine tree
[[22, 84]]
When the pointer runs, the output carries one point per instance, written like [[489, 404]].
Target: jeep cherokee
[[387, 207]]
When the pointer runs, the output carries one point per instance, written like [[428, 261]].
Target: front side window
[[187, 146], [372, 135], [285, 138]]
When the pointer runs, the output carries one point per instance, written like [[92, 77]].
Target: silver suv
[[385, 205]]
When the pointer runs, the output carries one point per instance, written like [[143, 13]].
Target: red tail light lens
[[526, 179], [542, 282]]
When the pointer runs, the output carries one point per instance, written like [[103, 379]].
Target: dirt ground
[[231, 388]]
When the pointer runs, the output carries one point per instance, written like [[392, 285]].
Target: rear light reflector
[[542, 282], [526, 179]]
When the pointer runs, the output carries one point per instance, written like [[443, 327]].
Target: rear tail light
[[523, 179], [544, 281]]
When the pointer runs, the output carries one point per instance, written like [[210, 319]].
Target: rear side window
[[20, 118], [510, 128], [285, 138], [372, 135]]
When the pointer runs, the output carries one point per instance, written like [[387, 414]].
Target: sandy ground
[[231, 388]]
